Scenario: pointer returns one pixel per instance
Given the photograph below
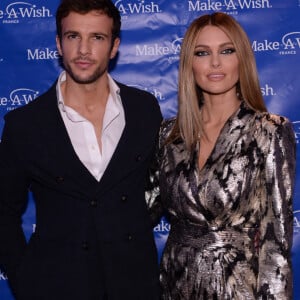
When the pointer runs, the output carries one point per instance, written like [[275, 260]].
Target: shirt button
[[129, 237]]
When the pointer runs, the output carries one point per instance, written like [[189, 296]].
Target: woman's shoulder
[[273, 122], [274, 127]]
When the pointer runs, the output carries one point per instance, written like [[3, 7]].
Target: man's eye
[[72, 36], [98, 37]]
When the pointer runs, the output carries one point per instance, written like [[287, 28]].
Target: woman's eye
[[201, 53], [228, 51]]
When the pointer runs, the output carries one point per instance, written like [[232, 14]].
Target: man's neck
[[85, 96]]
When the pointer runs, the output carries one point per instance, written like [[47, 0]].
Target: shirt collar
[[114, 90]]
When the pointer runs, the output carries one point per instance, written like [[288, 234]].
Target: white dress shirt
[[82, 133]]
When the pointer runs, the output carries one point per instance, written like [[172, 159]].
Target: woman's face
[[215, 63]]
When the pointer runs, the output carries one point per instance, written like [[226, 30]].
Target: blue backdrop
[[152, 33]]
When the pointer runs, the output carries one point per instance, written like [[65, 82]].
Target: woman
[[226, 173]]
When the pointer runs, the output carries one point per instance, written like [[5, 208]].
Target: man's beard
[[91, 79]]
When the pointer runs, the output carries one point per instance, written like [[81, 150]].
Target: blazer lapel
[[126, 155], [59, 146], [133, 148]]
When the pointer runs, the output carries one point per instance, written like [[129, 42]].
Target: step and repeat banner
[[152, 33]]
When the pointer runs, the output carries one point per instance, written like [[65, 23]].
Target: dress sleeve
[[276, 228], [153, 196]]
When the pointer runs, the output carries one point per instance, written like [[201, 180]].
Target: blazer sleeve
[[276, 229], [13, 200]]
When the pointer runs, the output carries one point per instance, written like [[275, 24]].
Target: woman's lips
[[215, 76]]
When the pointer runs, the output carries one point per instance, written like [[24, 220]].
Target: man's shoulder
[[140, 101], [136, 93]]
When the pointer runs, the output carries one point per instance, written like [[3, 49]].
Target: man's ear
[[115, 48], [58, 45]]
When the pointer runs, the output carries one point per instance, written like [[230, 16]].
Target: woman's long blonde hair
[[188, 123]]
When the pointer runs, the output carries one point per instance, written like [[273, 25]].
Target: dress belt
[[202, 236]]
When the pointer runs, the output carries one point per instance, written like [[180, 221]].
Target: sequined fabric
[[243, 193]]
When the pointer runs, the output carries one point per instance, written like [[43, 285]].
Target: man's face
[[86, 45]]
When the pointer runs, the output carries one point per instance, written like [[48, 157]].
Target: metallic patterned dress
[[231, 221]]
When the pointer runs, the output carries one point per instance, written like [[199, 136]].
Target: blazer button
[[129, 237], [124, 198], [59, 179], [138, 158], [93, 203], [84, 246]]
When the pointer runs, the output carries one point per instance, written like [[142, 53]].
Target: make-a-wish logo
[[297, 130], [289, 44], [267, 90], [137, 7], [2, 275], [154, 91], [16, 11], [42, 54], [171, 49], [297, 221], [18, 97], [162, 227], [228, 5]]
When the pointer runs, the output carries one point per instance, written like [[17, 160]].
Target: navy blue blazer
[[93, 240]]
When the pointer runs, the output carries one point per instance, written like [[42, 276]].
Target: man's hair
[[85, 6]]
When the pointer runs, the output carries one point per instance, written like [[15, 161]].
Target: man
[[83, 150]]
